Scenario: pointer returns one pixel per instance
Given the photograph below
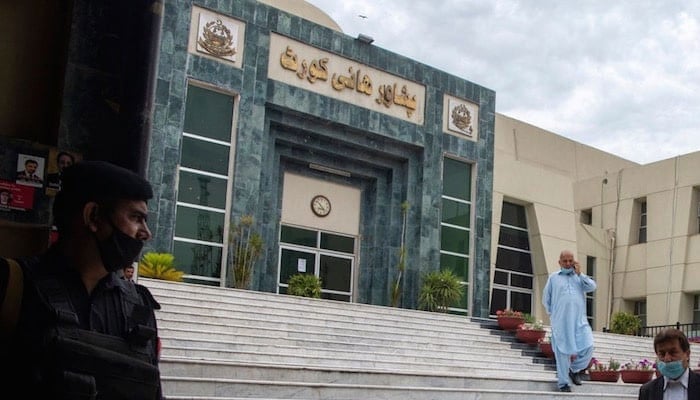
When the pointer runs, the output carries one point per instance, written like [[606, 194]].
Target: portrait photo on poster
[[58, 161], [30, 170]]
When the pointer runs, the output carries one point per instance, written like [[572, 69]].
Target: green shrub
[[529, 318], [159, 266], [245, 247], [440, 290], [305, 285], [625, 323]]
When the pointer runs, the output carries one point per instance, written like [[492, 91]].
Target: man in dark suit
[[677, 380], [28, 174]]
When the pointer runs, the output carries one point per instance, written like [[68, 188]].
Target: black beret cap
[[88, 181], [94, 180]]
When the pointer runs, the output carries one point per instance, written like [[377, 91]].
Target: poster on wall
[[30, 170], [58, 161], [14, 196]]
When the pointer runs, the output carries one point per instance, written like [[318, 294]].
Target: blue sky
[[621, 76]]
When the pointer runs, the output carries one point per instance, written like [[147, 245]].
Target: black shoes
[[575, 378], [565, 388]]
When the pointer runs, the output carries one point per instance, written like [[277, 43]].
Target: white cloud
[[621, 76]]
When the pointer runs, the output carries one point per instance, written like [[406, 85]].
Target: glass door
[[327, 255]]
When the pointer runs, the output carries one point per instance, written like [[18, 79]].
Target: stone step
[[263, 342], [187, 388], [228, 344]]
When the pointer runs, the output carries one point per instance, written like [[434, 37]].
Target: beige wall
[[541, 171], [296, 205], [556, 178], [664, 270]]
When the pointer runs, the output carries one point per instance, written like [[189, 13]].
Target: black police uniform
[[101, 311]]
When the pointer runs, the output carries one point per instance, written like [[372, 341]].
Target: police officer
[[77, 318]]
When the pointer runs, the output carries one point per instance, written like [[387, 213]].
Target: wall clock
[[320, 205]]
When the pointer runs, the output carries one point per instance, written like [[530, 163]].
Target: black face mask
[[118, 250]]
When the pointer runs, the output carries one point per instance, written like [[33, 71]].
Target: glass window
[[521, 301], [512, 237], [335, 273], [318, 252], [345, 244], [455, 233], [513, 214], [456, 179], [458, 265], [499, 300], [640, 310], [513, 276], [208, 113], [514, 260], [292, 259], [463, 302], [202, 190], [455, 213], [521, 281], [586, 216], [302, 237], [204, 156], [642, 221], [590, 297], [197, 259], [500, 277], [454, 240], [193, 223], [334, 296]]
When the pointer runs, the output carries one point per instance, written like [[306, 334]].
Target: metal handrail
[[691, 330]]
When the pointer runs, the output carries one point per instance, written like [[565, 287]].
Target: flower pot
[[546, 349], [529, 336], [636, 376], [604, 376], [510, 323]]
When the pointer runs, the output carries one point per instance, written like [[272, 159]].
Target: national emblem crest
[[462, 119], [217, 39]]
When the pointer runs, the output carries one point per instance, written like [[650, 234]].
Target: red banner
[[16, 197]]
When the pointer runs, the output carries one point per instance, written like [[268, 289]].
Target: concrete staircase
[[228, 344]]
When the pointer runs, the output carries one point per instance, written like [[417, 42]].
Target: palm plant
[[440, 290], [401, 267], [159, 266], [246, 246], [305, 285]]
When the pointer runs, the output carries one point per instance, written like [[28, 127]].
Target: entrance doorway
[[330, 256]]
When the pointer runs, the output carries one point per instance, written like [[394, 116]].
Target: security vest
[[85, 365]]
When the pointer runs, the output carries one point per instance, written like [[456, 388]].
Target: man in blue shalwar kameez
[[564, 299]]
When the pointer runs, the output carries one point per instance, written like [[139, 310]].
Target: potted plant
[[546, 346], [625, 323], [440, 290], [531, 331], [509, 320], [602, 372], [305, 285], [637, 372], [159, 266]]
